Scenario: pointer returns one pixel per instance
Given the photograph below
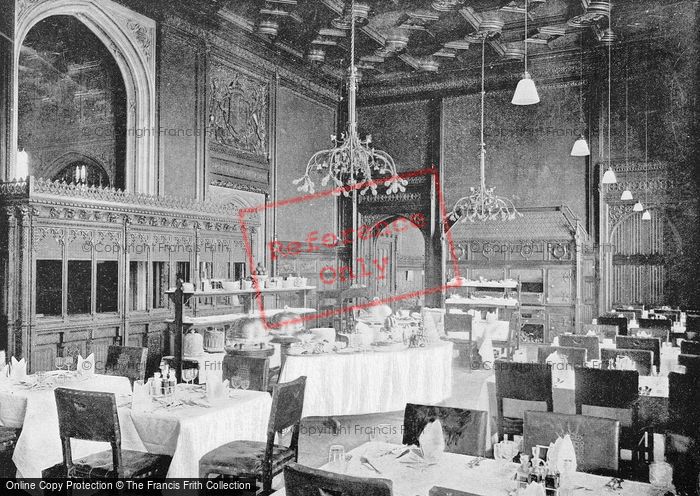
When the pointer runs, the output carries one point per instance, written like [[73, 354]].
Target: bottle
[[172, 382], [523, 473], [551, 479]]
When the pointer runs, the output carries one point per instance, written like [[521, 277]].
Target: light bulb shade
[[22, 164], [626, 195], [580, 148], [609, 176], [525, 92], [646, 215], [638, 207]]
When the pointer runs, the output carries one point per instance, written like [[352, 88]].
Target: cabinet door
[[559, 285]]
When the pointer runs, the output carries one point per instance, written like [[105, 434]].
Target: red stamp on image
[[360, 268]]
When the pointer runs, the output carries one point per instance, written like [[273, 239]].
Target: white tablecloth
[[189, 432], [39, 445], [489, 478], [371, 382]]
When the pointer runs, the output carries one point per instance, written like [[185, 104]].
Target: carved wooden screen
[[641, 253]]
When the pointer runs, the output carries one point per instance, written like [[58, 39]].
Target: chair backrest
[[240, 369], [458, 322], [642, 358], [690, 347], [595, 439], [607, 394], [634, 343], [126, 361], [591, 343], [691, 363], [306, 481], [446, 491], [574, 356], [600, 330], [683, 401], [630, 314], [656, 323], [530, 382], [655, 332], [88, 415], [692, 323], [620, 322], [464, 430], [286, 411]]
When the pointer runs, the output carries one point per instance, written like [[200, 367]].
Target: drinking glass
[[189, 375], [245, 383], [336, 459]]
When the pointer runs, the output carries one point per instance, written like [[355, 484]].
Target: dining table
[[185, 425], [372, 379], [411, 475]]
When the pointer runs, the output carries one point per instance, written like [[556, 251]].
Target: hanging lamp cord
[[526, 8]]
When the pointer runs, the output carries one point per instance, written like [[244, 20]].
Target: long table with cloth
[[485, 477], [383, 379], [185, 427], [652, 403]]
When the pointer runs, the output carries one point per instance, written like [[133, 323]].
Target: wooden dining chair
[[521, 382], [8, 441], [600, 330], [660, 333], [656, 323], [642, 358], [92, 416], [690, 347], [574, 356], [682, 438], [127, 361], [262, 460], [595, 439], [620, 322], [239, 370], [613, 394], [591, 343], [635, 343], [462, 322], [691, 363], [300, 480], [464, 430]]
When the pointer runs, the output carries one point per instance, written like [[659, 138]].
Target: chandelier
[[483, 204], [352, 164]]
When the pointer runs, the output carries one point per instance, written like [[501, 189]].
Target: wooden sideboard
[[551, 255]]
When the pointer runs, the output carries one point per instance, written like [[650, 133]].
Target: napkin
[[519, 356], [559, 365], [625, 363], [141, 400], [491, 317], [3, 358], [86, 366], [431, 441], [566, 455], [643, 334], [18, 369], [216, 389]]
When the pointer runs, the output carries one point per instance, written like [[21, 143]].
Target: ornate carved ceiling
[[401, 37]]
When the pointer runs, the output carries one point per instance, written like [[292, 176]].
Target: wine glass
[[244, 383], [189, 375]]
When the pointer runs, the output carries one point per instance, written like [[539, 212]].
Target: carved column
[[23, 282], [9, 261]]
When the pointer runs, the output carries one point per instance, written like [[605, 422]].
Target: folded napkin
[[18, 369], [560, 366], [566, 455], [3, 358], [141, 400], [216, 389], [86, 366], [519, 356], [643, 334], [625, 363], [491, 317], [432, 442]]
